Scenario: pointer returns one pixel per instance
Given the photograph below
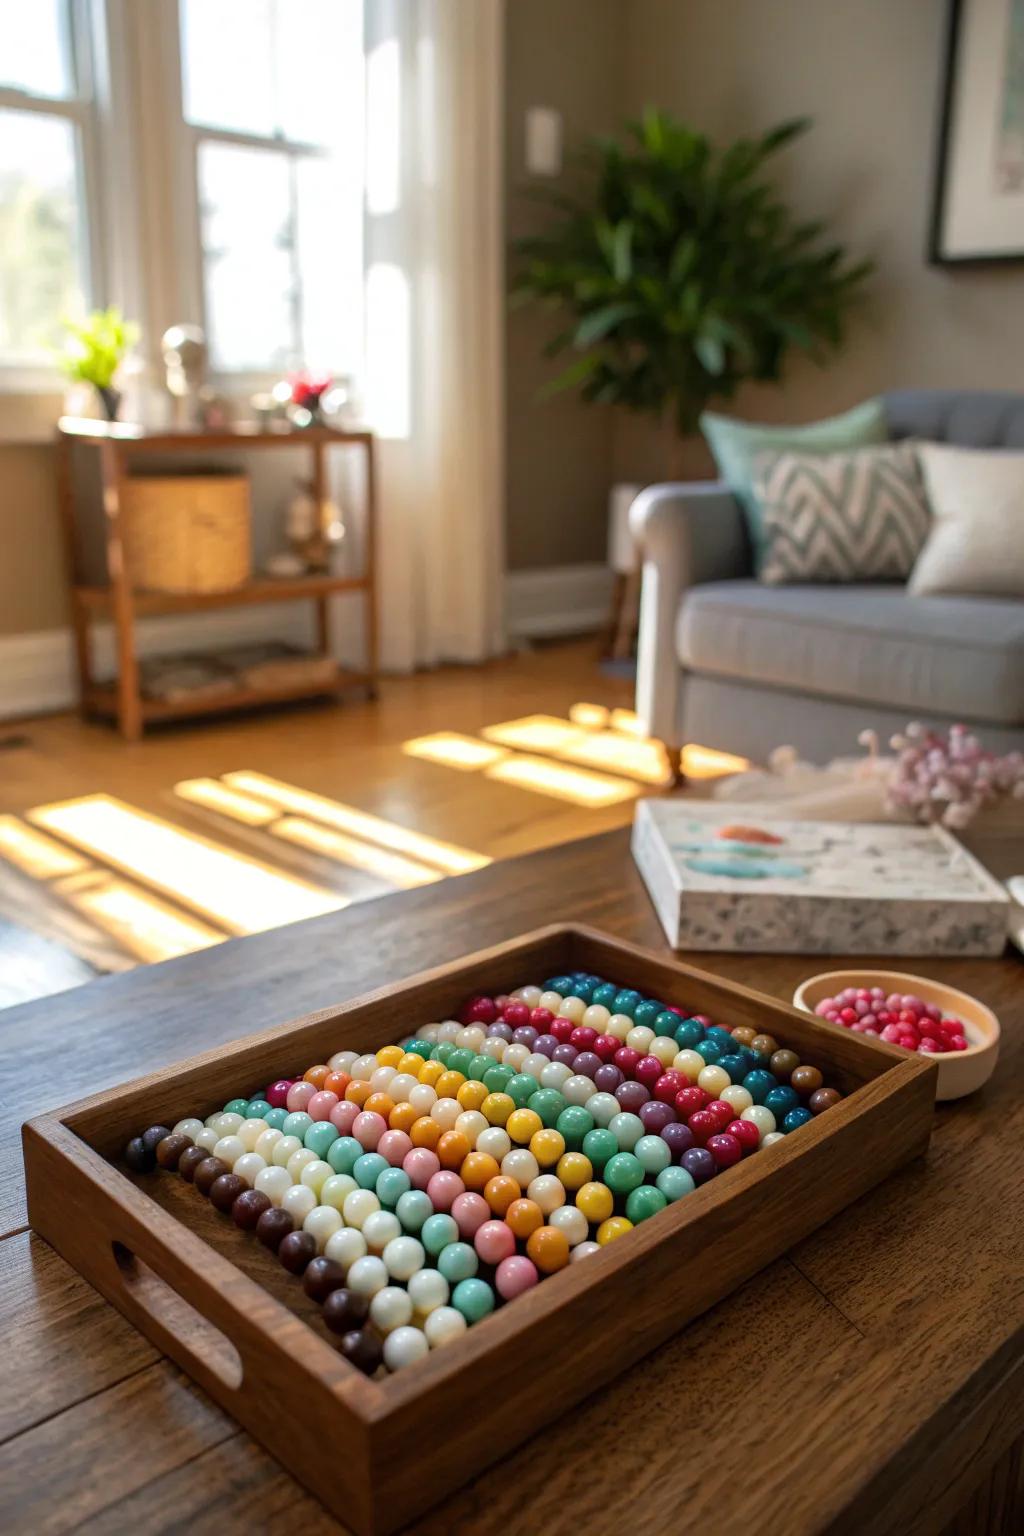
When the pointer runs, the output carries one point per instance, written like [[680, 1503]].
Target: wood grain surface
[[872, 1381]]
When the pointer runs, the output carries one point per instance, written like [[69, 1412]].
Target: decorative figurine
[[184, 353]]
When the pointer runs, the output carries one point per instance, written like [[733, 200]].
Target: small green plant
[[683, 273], [94, 350]]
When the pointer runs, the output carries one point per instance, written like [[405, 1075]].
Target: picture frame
[[977, 212]]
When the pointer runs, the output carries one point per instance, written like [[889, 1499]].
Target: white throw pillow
[[976, 543]]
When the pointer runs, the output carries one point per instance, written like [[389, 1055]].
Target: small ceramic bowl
[[960, 1072]]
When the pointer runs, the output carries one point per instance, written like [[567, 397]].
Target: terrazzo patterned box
[[743, 878]]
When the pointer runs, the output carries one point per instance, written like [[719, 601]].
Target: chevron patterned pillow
[[859, 515]]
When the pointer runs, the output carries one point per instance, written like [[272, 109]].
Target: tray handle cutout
[[195, 1334]]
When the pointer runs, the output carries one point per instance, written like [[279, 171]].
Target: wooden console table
[[116, 443]]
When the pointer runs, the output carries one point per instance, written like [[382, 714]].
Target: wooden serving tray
[[377, 1452]]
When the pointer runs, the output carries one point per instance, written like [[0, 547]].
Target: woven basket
[[188, 533]]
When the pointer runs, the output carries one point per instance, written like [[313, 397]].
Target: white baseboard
[[557, 600]]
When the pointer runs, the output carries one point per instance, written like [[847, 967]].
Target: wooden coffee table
[[871, 1381]]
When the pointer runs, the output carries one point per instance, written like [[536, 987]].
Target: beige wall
[[31, 570]]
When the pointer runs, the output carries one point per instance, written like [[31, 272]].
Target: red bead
[[516, 1014], [848, 1015], [541, 1018], [690, 1099], [723, 1113], [702, 1126], [583, 1037], [668, 1085], [746, 1133], [626, 1059], [561, 1029], [277, 1093], [725, 1149], [483, 1010], [606, 1047], [647, 1071], [679, 1012]]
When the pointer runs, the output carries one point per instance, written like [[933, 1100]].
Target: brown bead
[[321, 1278], [345, 1311], [226, 1190], [190, 1160], [783, 1064], [822, 1099], [364, 1350], [764, 1045], [168, 1152], [743, 1034], [296, 1251], [807, 1079], [207, 1172], [248, 1208], [139, 1157], [273, 1227]]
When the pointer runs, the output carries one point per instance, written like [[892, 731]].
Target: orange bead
[[317, 1076], [358, 1092], [501, 1192], [336, 1082], [453, 1149], [471, 1095], [425, 1132], [547, 1147], [522, 1124], [549, 1249], [448, 1084], [405, 1063], [430, 1072], [402, 1118], [390, 1056], [574, 1170], [524, 1216], [379, 1104], [477, 1169]]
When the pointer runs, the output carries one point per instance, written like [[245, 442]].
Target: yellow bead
[[713, 1079], [471, 1095], [522, 1125], [390, 1056], [640, 1038], [574, 1170], [595, 1201], [690, 1063], [665, 1048], [497, 1107], [411, 1063], [547, 1147], [615, 1226], [430, 1072], [619, 1025], [449, 1083], [572, 1008]]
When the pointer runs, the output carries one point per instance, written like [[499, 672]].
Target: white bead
[[521, 1165], [358, 1205], [555, 1074], [531, 996], [283, 1150], [640, 1038], [380, 1080], [445, 1112], [248, 1166], [315, 1175], [665, 1048], [190, 1128], [229, 1149], [391, 1309], [713, 1080], [596, 1017], [322, 1223], [577, 1089], [761, 1116], [404, 1347], [249, 1133], [227, 1122], [552, 1001], [335, 1190], [583, 1251], [547, 1191], [298, 1202], [341, 1061], [403, 1257], [443, 1326], [274, 1183], [447, 1031], [207, 1138], [345, 1247], [534, 1064], [515, 1055], [367, 1276], [471, 1122], [381, 1228], [570, 1220], [737, 1097], [471, 1038], [495, 1140], [603, 1106], [627, 1130], [400, 1087], [428, 1032], [494, 1046], [423, 1098], [690, 1063], [299, 1160], [427, 1290], [266, 1144], [619, 1025], [363, 1068], [572, 1008], [772, 1137]]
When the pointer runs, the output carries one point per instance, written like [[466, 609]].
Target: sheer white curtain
[[434, 306]]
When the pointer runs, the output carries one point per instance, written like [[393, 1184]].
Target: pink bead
[[494, 1242], [299, 1095], [444, 1188], [395, 1146], [514, 1276], [277, 1094], [321, 1104], [368, 1128], [470, 1211], [343, 1116], [421, 1164]]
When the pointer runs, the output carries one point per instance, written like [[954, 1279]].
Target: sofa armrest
[[686, 534]]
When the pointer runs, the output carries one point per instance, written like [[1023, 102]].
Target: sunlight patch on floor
[[34, 853], [395, 868], [454, 750], [142, 924], [576, 785], [212, 795], [534, 733]]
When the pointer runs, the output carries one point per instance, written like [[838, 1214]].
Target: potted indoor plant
[[94, 351]]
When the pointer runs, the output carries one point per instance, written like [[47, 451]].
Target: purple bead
[[699, 1164], [500, 1031], [565, 1053], [588, 1064], [546, 1045], [678, 1137], [656, 1115], [608, 1077], [631, 1096], [524, 1035]]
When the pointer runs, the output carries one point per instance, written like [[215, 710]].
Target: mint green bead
[[443, 1052], [343, 1154], [257, 1109], [623, 1173], [497, 1076], [461, 1060], [320, 1137], [391, 1185], [549, 1104], [457, 1261], [521, 1089], [674, 1183], [413, 1209], [297, 1124], [438, 1232], [574, 1123], [645, 1202], [368, 1169], [237, 1107], [480, 1068], [474, 1299], [599, 1145], [652, 1153], [275, 1118]]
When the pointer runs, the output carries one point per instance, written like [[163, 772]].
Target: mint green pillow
[[736, 444]]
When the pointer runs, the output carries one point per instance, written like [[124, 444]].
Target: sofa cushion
[[954, 656]]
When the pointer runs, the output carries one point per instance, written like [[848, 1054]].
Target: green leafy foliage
[[95, 347], [682, 272]]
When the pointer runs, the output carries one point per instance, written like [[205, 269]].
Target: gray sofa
[[732, 664]]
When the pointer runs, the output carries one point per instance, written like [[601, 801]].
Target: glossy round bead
[[523, 1217], [322, 1276], [781, 1100], [321, 1223], [403, 1256], [546, 1191], [631, 1097], [277, 1093], [248, 1208], [404, 1346], [379, 1228], [367, 1169], [521, 1165], [497, 1107], [602, 1107], [783, 1063], [760, 1116], [595, 1201], [296, 1250], [345, 1246], [772, 1137], [498, 1194], [699, 1164], [298, 1202], [737, 1097], [272, 1227], [391, 1308], [394, 1147], [615, 1227], [623, 1173], [652, 1153], [746, 1133], [759, 1084], [522, 1125], [599, 1145], [678, 1138], [315, 1175], [806, 1079], [574, 1169], [342, 1154], [822, 1099], [793, 1119], [494, 1142], [413, 1208], [367, 1276], [421, 1164], [473, 1298], [713, 1080], [494, 1240], [225, 1190], [674, 1183], [437, 1232], [477, 1169], [299, 1160], [627, 1130], [299, 1095], [344, 1310], [391, 1185], [443, 1326], [515, 1275], [547, 1147], [206, 1172], [645, 1202], [368, 1128], [725, 1149], [358, 1205], [457, 1261], [548, 1248], [229, 1149], [427, 1290], [452, 1149], [577, 1089], [570, 1220]]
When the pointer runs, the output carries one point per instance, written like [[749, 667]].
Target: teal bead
[[574, 1124], [479, 1068], [438, 1232], [583, 989], [645, 1202], [605, 994], [646, 1013], [413, 1209], [549, 1104], [461, 1060], [257, 1109], [297, 1124], [688, 1033], [443, 1052], [496, 1077], [275, 1118], [795, 1118], [736, 1066], [236, 1107], [666, 1024], [599, 1145], [627, 1001], [521, 1089], [343, 1154], [623, 1173], [415, 1047], [710, 1049], [781, 1100], [759, 1084], [474, 1299], [722, 1035], [674, 1183], [321, 1136], [652, 1153], [457, 1261], [391, 1185], [368, 1169]]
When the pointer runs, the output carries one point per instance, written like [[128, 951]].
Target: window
[[46, 134]]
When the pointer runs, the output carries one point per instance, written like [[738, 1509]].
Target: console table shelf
[[116, 443]]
